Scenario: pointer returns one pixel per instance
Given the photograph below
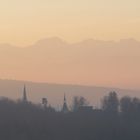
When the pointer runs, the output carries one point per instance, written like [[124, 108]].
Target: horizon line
[[68, 84], [70, 42]]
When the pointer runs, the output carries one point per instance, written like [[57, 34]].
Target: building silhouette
[[65, 107], [44, 102]]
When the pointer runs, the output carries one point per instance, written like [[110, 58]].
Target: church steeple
[[24, 94], [64, 98], [65, 107]]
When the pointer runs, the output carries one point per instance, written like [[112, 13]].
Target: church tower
[[65, 107], [24, 99]]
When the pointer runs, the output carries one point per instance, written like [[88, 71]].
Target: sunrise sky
[[22, 22], [112, 63]]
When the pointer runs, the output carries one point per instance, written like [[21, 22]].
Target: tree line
[[117, 119]]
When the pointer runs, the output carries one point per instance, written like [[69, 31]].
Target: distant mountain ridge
[[89, 62], [61, 42]]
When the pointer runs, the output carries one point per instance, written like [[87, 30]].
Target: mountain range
[[89, 62]]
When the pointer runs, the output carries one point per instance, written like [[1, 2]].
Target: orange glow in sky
[[25, 21]]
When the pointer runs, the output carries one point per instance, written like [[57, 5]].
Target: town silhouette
[[116, 119]]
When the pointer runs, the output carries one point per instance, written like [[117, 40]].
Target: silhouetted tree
[[130, 105], [136, 104], [110, 103], [78, 101], [125, 105], [28, 121]]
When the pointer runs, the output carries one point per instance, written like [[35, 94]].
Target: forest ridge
[[116, 119]]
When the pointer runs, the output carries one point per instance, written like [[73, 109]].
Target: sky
[[22, 22]]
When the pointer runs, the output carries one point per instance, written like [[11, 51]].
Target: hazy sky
[[22, 22]]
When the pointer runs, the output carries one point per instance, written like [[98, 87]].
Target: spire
[[44, 102], [24, 94], [65, 107], [64, 98]]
